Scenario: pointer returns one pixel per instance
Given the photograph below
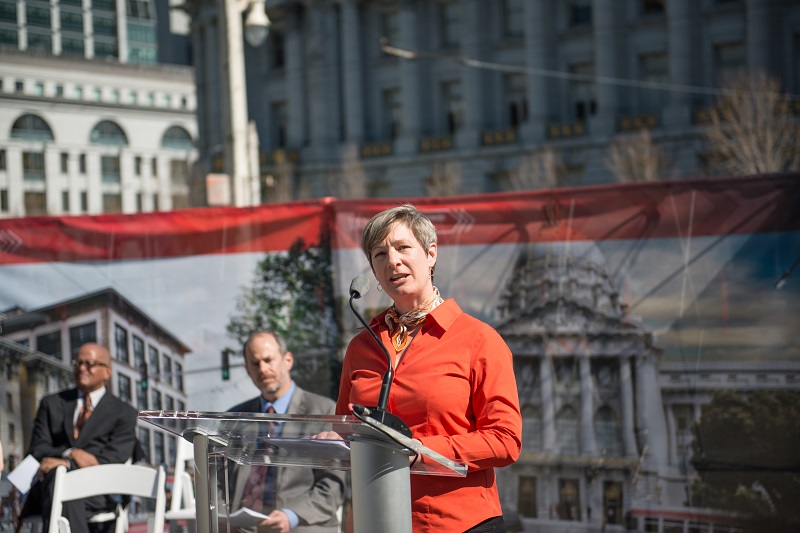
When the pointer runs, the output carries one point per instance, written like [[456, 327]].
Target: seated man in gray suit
[[304, 500]]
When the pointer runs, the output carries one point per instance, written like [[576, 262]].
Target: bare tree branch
[[445, 180], [751, 128], [637, 158]]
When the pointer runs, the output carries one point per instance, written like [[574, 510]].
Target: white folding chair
[[182, 506], [126, 480]]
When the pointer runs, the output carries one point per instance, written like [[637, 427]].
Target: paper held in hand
[[243, 517], [23, 476]]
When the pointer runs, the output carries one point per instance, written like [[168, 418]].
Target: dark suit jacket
[[109, 434], [313, 494]]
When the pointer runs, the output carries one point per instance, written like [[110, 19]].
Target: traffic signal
[[226, 364], [143, 373]]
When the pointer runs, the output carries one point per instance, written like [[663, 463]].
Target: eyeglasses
[[88, 364]]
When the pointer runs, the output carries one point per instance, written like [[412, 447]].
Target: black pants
[[493, 525]]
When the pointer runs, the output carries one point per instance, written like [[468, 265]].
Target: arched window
[[531, 429], [606, 430], [177, 138], [107, 132], [31, 128], [567, 431]]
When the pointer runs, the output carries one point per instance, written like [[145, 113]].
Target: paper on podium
[[244, 517], [23, 475]]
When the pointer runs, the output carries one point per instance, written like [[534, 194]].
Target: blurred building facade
[[38, 345], [478, 86], [97, 108]]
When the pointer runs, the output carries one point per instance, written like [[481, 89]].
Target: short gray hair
[[275, 335], [378, 227]]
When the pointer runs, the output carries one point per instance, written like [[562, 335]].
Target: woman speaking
[[453, 377]]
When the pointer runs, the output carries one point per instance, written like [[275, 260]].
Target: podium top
[[250, 438]]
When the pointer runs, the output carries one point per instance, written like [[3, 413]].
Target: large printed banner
[[696, 261]]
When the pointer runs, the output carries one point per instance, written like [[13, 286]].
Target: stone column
[[410, 76], [472, 32], [297, 119], [626, 395], [537, 39], [588, 440], [548, 406], [606, 34], [650, 413], [681, 23], [352, 72]]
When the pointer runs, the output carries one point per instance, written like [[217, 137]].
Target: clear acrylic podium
[[377, 456]]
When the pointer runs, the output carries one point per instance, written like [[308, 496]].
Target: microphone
[[358, 288]]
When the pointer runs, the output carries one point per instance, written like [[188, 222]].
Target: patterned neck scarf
[[398, 325]]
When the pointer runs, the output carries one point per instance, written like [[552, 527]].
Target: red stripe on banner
[[668, 209], [159, 235]]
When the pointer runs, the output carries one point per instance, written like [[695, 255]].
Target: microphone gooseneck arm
[[383, 399]]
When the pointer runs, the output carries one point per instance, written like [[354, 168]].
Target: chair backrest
[[182, 485], [131, 480]]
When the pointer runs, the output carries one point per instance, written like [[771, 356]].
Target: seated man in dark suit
[[299, 499], [76, 428]]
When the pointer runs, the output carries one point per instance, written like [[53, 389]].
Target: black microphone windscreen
[[359, 286]]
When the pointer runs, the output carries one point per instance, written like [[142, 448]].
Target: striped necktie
[[83, 416]]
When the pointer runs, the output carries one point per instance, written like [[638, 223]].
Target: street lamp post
[[236, 146]]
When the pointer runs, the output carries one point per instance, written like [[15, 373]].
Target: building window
[[179, 172], [59, 90], [36, 15], [8, 12], [31, 128], [390, 27], [12, 432], [73, 46], [531, 429], [109, 169], [19, 86], [139, 206], [513, 15], [612, 503], [608, 433], [137, 165], [132, 97], [654, 69], [112, 202], [33, 166], [38, 89], [78, 92], [453, 105], [279, 123], [65, 201], [50, 344], [138, 352], [154, 362], [178, 374], [71, 20], [64, 162], [516, 99], [10, 402], [158, 448], [35, 203], [526, 497], [652, 7], [82, 163], [166, 368], [108, 133], [277, 51], [569, 504], [144, 438], [729, 61], [580, 13], [567, 432], [393, 112], [155, 202], [155, 397], [2, 159], [582, 92], [84, 202], [80, 335], [154, 167], [177, 138], [124, 388], [4, 200], [450, 24], [141, 398], [121, 343]]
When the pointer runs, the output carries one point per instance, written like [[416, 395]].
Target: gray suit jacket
[[313, 494]]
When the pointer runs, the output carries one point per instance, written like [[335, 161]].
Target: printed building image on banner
[[639, 317]]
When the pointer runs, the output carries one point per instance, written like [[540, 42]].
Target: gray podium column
[[381, 482]]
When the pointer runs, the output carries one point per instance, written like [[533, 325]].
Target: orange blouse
[[455, 388]]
